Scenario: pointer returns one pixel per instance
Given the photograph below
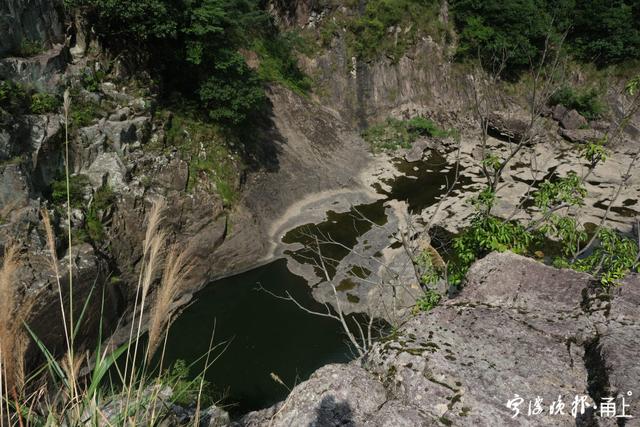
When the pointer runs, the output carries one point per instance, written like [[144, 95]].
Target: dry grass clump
[[14, 312], [177, 268], [70, 397]]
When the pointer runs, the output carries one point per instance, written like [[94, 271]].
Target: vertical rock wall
[[29, 20]]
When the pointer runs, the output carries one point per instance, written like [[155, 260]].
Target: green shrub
[[421, 126], [83, 114], [278, 64], [513, 30], [43, 103], [370, 37], [91, 80], [211, 159], [486, 234], [186, 389], [388, 135], [139, 20], [77, 186], [233, 91], [587, 101], [612, 258], [606, 32], [569, 190], [93, 226], [14, 97], [194, 48], [599, 31], [428, 301], [393, 133], [104, 197], [30, 48]]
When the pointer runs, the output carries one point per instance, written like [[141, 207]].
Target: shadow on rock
[[333, 413]]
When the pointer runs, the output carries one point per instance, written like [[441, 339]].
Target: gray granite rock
[[518, 327], [581, 136], [29, 21], [573, 120]]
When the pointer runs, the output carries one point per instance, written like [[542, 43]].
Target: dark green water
[[265, 335], [344, 227]]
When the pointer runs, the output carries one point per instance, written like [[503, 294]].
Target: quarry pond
[[262, 335]]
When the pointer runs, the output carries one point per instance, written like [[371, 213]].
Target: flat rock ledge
[[517, 327]]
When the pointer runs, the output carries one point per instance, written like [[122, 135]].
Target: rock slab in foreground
[[518, 327]]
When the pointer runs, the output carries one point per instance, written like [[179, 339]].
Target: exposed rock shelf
[[517, 327]]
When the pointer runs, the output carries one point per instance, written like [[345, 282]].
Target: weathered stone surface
[[34, 21], [417, 150], [573, 120], [126, 131], [512, 125], [335, 395], [14, 186], [42, 71], [214, 416], [517, 327], [619, 343], [108, 169], [581, 136], [559, 112]]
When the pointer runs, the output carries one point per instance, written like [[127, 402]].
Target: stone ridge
[[517, 327]]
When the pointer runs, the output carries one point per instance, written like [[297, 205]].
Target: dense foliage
[[407, 18], [516, 31], [16, 98], [586, 101], [513, 30], [196, 47]]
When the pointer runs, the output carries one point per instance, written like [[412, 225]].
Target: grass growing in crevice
[[394, 133], [213, 164]]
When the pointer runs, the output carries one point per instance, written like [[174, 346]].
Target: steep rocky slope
[[517, 327], [302, 147]]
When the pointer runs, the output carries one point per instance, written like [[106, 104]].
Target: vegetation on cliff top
[[515, 32], [195, 48]]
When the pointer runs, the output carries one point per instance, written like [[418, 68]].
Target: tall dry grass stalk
[[76, 404], [9, 353], [67, 173], [51, 245], [153, 226], [176, 270], [151, 260]]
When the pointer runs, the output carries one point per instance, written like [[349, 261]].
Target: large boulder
[[518, 330], [513, 125], [335, 395], [573, 120]]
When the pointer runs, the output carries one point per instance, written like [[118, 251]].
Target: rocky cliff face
[[31, 21], [423, 80], [517, 327], [303, 147]]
